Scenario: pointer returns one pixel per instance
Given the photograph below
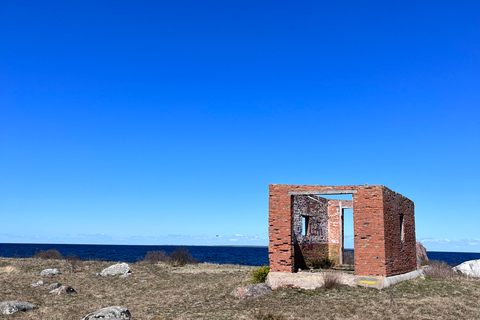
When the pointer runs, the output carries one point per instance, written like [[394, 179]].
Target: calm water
[[253, 256]]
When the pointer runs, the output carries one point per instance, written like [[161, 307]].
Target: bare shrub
[[441, 270], [322, 263], [154, 257], [331, 280], [180, 257], [75, 262], [48, 254]]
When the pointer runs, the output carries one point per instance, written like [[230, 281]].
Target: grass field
[[202, 291]]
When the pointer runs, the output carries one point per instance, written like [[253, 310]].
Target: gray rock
[[117, 269], [54, 286], [421, 254], [251, 291], [470, 268], [9, 307], [109, 313], [50, 272], [63, 290], [37, 284]]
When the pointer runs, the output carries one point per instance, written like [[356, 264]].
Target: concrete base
[[313, 280]]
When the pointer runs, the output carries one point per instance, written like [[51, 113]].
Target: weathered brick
[[384, 228]]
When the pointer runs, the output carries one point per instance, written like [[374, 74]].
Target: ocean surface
[[252, 256]]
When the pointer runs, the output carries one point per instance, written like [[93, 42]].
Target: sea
[[251, 256]]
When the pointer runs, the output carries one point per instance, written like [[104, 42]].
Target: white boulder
[[470, 268], [109, 313], [50, 272], [121, 269], [9, 307]]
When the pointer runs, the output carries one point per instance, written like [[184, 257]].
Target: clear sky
[[164, 122]]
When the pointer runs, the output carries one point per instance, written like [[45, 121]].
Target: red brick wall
[[314, 244], [280, 224], [379, 250], [369, 231], [400, 255]]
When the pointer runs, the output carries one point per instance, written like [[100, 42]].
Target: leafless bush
[[322, 263], [154, 257], [180, 257], [75, 262], [48, 254], [331, 280], [441, 270]]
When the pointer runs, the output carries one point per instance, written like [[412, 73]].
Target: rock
[[54, 286], [421, 254], [470, 268], [50, 272], [109, 313], [63, 290], [9, 307], [117, 269], [251, 291], [37, 284]]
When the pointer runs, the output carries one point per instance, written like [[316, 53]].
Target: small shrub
[[75, 262], [155, 257], [180, 257], [441, 270], [331, 280], [259, 275], [48, 254], [323, 263]]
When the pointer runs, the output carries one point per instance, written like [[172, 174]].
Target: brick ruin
[[303, 225]]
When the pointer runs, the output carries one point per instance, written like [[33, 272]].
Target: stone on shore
[[54, 286], [109, 313], [37, 284], [9, 307], [63, 290], [121, 269], [251, 291], [50, 272], [470, 268]]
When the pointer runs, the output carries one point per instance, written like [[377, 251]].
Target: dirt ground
[[202, 291]]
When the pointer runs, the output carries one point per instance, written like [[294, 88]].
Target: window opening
[[402, 231], [305, 225]]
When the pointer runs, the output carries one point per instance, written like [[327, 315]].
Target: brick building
[[305, 224]]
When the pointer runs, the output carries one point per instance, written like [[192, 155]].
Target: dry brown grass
[[202, 291], [441, 270]]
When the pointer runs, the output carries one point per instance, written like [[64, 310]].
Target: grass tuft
[[331, 280]]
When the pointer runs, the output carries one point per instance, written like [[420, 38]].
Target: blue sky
[[164, 122]]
